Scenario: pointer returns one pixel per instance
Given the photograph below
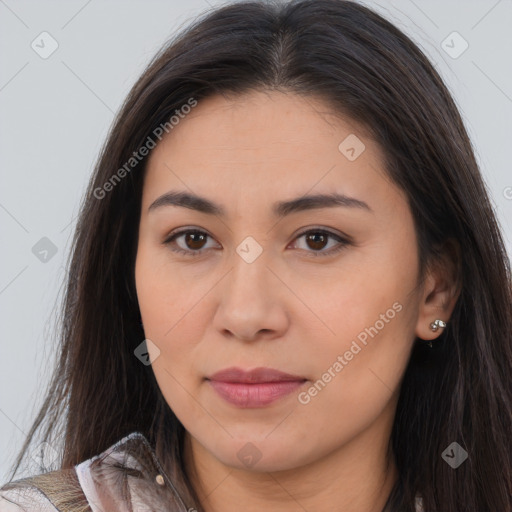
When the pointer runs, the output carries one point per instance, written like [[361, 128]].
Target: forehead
[[267, 123], [264, 144]]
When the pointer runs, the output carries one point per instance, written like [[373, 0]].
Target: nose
[[252, 302]]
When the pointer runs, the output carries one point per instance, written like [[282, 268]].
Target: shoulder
[[24, 498], [52, 491], [125, 476], [6, 505]]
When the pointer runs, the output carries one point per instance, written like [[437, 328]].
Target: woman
[[287, 288]]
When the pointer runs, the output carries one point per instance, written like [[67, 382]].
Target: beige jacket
[[127, 477]]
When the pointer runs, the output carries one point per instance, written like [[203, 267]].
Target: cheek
[[356, 382], [166, 299], [170, 323], [180, 390], [174, 317], [370, 311]]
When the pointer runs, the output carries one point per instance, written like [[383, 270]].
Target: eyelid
[[182, 231], [327, 231], [342, 239]]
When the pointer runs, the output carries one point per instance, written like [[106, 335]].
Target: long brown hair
[[366, 69]]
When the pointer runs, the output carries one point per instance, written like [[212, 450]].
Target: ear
[[441, 289]]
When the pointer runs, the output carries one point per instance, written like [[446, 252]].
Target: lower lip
[[254, 395]]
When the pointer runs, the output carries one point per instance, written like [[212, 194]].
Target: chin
[[264, 455]]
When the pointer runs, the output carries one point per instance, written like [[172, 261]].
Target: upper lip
[[256, 375]]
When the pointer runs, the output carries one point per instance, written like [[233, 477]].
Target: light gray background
[[55, 112]]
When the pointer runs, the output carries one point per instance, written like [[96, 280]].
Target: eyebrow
[[280, 208]]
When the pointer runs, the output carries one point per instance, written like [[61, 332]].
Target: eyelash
[[342, 242]]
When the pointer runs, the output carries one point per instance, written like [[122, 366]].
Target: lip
[[254, 388], [254, 376]]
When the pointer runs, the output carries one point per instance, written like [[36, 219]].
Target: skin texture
[[288, 309]]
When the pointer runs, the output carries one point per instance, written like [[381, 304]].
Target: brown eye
[[192, 242], [316, 240]]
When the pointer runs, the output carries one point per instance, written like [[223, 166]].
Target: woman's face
[[324, 291]]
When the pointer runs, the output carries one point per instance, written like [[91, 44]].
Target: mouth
[[254, 388]]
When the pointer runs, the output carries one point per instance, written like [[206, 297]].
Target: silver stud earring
[[436, 324]]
